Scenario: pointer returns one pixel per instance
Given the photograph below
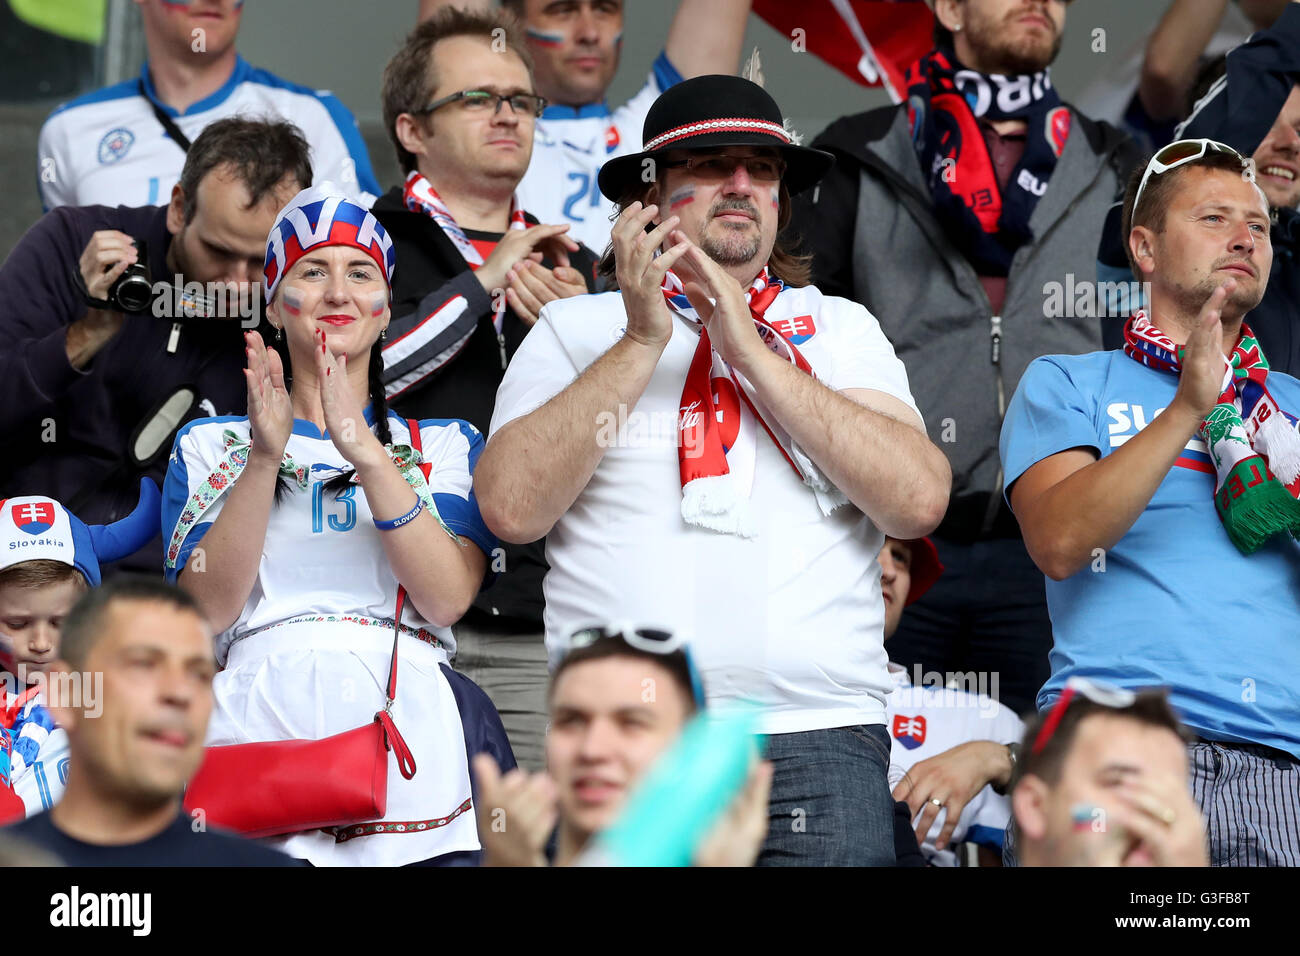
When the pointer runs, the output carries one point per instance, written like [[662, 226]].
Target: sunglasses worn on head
[[1106, 695], [1179, 153], [648, 639]]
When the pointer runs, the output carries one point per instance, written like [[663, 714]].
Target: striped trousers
[[1250, 797]]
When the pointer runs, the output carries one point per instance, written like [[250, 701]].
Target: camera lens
[[133, 292]]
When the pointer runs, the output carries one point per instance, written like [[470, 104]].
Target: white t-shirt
[[569, 147], [923, 722], [791, 619], [108, 148]]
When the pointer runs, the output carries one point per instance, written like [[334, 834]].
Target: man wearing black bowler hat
[[718, 448]]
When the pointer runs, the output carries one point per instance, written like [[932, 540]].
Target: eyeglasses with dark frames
[[719, 166], [478, 101]]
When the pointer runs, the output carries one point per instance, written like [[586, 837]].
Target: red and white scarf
[[718, 422], [420, 196]]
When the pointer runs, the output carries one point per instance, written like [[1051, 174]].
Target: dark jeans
[[987, 613], [830, 802]]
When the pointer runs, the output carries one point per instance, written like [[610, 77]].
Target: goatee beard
[[730, 251], [732, 248]]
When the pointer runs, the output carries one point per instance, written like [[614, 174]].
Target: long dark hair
[[379, 412]]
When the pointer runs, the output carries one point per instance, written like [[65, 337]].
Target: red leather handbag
[[283, 786]]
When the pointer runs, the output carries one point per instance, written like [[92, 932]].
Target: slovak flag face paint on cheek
[[681, 196], [292, 299], [543, 38]]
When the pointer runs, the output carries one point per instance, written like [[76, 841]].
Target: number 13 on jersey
[[344, 522]]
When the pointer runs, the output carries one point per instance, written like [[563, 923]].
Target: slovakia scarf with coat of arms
[[720, 415]]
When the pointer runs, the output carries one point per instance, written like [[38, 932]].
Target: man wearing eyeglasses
[[721, 447], [576, 47], [474, 268], [1156, 486]]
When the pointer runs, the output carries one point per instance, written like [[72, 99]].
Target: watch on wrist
[[1013, 754]]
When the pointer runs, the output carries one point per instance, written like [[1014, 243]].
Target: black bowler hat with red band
[[710, 112]]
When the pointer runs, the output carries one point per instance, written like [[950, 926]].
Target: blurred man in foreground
[[133, 750], [618, 702], [1103, 782]]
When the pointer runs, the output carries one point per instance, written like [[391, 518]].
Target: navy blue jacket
[[178, 845], [66, 431]]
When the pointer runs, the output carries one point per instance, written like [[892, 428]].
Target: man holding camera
[[98, 371]]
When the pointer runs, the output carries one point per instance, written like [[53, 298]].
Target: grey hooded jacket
[[875, 239]]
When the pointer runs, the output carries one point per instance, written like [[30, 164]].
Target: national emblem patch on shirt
[[114, 145], [909, 731], [797, 330], [611, 138]]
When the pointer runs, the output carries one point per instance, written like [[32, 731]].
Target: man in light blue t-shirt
[[1169, 561]]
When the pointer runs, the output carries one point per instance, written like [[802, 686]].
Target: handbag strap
[[397, 633], [393, 737]]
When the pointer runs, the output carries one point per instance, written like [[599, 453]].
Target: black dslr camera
[[132, 291]]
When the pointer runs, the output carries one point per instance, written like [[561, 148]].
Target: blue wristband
[[404, 519]]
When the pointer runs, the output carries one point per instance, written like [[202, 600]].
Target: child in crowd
[[48, 558]]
